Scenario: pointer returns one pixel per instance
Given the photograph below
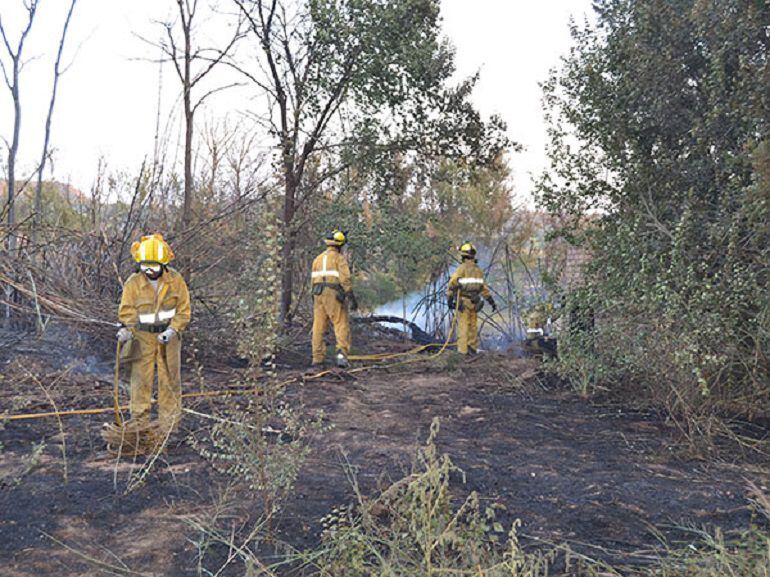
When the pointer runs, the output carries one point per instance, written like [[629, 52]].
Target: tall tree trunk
[[10, 294], [287, 252], [12, 152], [188, 177], [188, 126]]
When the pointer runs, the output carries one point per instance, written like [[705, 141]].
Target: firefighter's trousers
[[467, 332], [327, 308], [147, 354]]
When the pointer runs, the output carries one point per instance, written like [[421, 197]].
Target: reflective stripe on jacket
[[331, 267], [140, 303], [469, 280]]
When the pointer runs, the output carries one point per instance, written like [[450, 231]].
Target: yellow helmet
[[152, 249], [468, 250], [336, 238]]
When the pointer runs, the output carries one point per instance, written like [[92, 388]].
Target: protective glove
[[353, 301], [166, 336], [124, 335], [491, 302], [451, 303]]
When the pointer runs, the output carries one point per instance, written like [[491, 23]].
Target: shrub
[[415, 529]]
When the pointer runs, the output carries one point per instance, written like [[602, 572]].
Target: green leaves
[[659, 119]]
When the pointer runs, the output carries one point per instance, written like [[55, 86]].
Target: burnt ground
[[596, 477]]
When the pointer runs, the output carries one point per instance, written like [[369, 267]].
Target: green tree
[[349, 79], [659, 122]]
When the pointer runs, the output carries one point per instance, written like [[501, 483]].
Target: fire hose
[[117, 408]]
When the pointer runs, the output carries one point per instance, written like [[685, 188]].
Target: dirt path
[[570, 471]]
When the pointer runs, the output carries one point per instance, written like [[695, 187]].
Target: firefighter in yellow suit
[[464, 293], [154, 310], [332, 291]]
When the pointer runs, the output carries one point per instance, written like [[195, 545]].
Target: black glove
[[491, 302], [451, 303], [353, 301]]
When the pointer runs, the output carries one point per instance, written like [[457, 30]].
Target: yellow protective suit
[[147, 310], [467, 285], [330, 281]]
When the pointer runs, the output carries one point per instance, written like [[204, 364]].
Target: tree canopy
[[659, 122]]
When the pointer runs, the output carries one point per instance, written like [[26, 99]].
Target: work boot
[[342, 360]]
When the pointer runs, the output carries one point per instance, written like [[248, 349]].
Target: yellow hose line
[[116, 387], [116, 408], [72, 412], [384, 356]]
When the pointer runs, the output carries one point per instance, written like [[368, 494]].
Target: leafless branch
[[46, 141]]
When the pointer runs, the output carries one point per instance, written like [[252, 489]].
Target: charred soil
[[595, 477]]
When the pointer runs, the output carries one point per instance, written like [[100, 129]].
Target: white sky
[[108, 99]]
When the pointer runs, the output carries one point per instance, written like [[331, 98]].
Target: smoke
[[514, 286], [498, 332], [406, 308]]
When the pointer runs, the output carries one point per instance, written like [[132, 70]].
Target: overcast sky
[[108, 99]]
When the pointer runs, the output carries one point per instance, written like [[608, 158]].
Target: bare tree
[[192, 64], [12, 82], [57, 72]]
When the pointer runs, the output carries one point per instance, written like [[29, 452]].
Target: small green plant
[[578, 364], [415, 529], [715, 555], [29, 462], [262, 445], [256, 317]]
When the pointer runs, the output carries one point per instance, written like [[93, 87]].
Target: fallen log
[[418, 335]]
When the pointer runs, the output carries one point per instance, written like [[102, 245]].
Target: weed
[[715, 555], [29, 463], [262, 445], [414, 529]]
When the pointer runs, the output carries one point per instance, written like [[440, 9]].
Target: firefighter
[[332, 292], [464, 293], [154, 310], [540, 333]]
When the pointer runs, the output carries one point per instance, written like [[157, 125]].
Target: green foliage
[[669, 105], [245, 444], [715, 555], [388, 243], [400, 50], [376, 289], [63, 205], [394, 67], [471, 201], [256, 316], [406, 217], [268, 463]]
